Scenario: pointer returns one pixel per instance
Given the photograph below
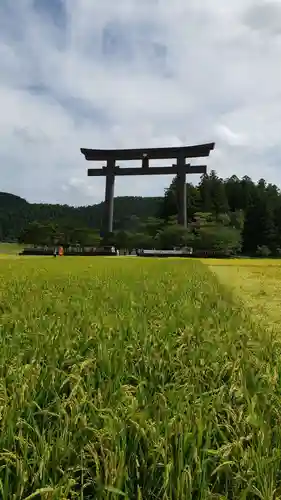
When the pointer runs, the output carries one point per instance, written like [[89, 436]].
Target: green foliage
[[219, 238], [215, 233], [174, 236], [50, 234], [263, 251], [213, 194]]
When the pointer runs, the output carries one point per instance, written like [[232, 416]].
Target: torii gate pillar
[[181, 192], [107, 223]]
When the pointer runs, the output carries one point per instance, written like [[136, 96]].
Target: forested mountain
[[230, 215], [16, 213]]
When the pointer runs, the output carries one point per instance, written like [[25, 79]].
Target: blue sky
[[130, 73]]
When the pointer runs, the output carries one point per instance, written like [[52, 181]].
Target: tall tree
[[218, 194], [259, 226], [205, 193], [233, 191]]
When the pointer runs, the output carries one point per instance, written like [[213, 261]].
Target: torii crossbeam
[[180, 169]]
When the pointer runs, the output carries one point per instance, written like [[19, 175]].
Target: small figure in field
[[61, 251], [55, 252]]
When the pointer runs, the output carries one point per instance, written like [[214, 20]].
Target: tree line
[[251, 208], [224, 215]]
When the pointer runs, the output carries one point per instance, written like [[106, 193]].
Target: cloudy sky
[[135, 73]]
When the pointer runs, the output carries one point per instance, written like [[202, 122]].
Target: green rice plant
[[136, 379]]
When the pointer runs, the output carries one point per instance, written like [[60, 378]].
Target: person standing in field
[[60, 251], [55, 252]]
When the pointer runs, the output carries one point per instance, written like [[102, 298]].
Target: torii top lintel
[[198, 151]]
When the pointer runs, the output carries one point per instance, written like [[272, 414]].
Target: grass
[[10, 249], [136, 379]]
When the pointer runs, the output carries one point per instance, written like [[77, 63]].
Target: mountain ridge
[[16, 213]]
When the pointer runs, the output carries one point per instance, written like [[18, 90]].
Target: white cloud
[[93, 73], [229, 137]]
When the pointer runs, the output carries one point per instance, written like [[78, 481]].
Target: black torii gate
[[180, 169]]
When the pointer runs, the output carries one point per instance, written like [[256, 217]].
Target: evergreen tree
[[233, 191], [218, 194], [259, 226], [205, 194]]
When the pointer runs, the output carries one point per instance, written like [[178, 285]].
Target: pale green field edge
[[256, 285]]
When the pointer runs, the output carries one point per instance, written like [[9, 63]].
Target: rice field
[[256, 283], [137, 379]]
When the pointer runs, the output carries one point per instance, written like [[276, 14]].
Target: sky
[[135, 73]]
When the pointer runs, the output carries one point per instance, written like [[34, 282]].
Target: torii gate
[[180, 169]]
